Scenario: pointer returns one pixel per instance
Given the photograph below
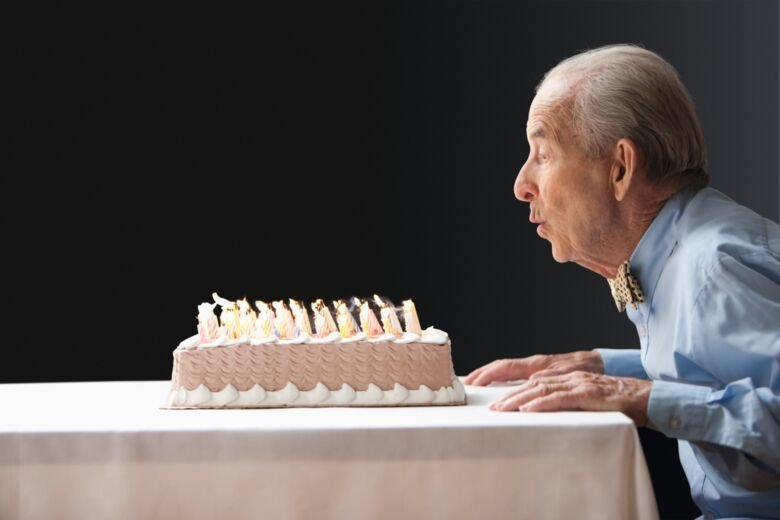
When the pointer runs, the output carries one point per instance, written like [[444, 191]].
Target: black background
[[324, 149]]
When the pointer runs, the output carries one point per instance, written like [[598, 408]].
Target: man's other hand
[[536, 366], [580, 391]]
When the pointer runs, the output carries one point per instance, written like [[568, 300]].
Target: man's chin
[[558, 255]]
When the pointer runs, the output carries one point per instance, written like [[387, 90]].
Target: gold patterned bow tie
[[625, 288]]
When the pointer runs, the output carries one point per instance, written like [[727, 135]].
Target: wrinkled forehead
[[550, 110], [545, 121]]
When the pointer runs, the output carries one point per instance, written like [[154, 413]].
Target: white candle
[[389, 318], [265, 320], [323, 320], [301, 317], [228, 317], [368, 321], [246, 318], [208, 327], [285, 325], [347, 325], [410, 318]]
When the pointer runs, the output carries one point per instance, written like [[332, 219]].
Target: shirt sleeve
[[622, 362], [736, 330], [738, 425]]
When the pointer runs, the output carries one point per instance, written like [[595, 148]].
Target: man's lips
[[540, 228]]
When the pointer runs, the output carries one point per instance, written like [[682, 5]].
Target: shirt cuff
[[622, 362], [678, 410]]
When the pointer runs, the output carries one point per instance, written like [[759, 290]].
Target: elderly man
[[616, 182]]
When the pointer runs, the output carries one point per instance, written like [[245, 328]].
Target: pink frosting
[[272, 366]]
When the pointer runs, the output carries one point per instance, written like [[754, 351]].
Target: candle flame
[[244, 306], [225, 304], [238, 319]]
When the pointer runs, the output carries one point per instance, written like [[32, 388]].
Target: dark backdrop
[[323, 149]]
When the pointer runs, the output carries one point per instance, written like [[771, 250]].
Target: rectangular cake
[[272, 359]]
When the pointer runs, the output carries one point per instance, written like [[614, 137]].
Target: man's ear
[[624, 168]]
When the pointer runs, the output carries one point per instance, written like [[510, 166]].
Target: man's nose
[[525, 189]]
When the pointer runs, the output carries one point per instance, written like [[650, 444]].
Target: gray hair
[[625, 91]]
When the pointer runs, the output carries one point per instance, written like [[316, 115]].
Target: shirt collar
[[650, 255]]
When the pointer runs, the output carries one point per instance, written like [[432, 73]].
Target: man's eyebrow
[[538, 133]]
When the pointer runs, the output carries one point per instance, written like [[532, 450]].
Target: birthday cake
[[270, 357]]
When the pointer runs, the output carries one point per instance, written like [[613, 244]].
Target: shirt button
[[642, 331], [674, 422]]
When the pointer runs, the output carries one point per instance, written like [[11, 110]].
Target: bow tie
[[625, 288]]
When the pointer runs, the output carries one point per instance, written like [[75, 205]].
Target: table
[[106, 450]]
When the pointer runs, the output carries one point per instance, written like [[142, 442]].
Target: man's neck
[[633, 216]]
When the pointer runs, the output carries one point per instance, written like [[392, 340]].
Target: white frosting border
[[430, 335], [290, 396]]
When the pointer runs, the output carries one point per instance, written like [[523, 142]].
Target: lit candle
[[246, 318], [347, 325], [208, 327], [368, 321], [285, 325], [323, 320], [265, 320], [301, 317], [228, 317], [389, 318], [410, 318]]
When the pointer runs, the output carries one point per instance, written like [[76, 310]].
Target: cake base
[[362, 373], [318, 397]]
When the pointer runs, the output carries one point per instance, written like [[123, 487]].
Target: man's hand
[[580, 391], [536, 366]]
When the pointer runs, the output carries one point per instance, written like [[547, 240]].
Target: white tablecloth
[[106, 450]]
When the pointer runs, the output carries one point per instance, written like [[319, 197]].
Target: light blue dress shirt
[[709, 333]]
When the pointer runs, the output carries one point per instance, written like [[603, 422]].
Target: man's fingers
[[535, 367], [490, 374], [547, 372], [500, 370], [528, 394], [556, 376], [469, 379], [556, 401], [541, 386]]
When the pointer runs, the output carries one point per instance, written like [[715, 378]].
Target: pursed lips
[[534, 216], [534, 219]]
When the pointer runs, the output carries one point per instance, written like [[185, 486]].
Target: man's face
[[569, 195]]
